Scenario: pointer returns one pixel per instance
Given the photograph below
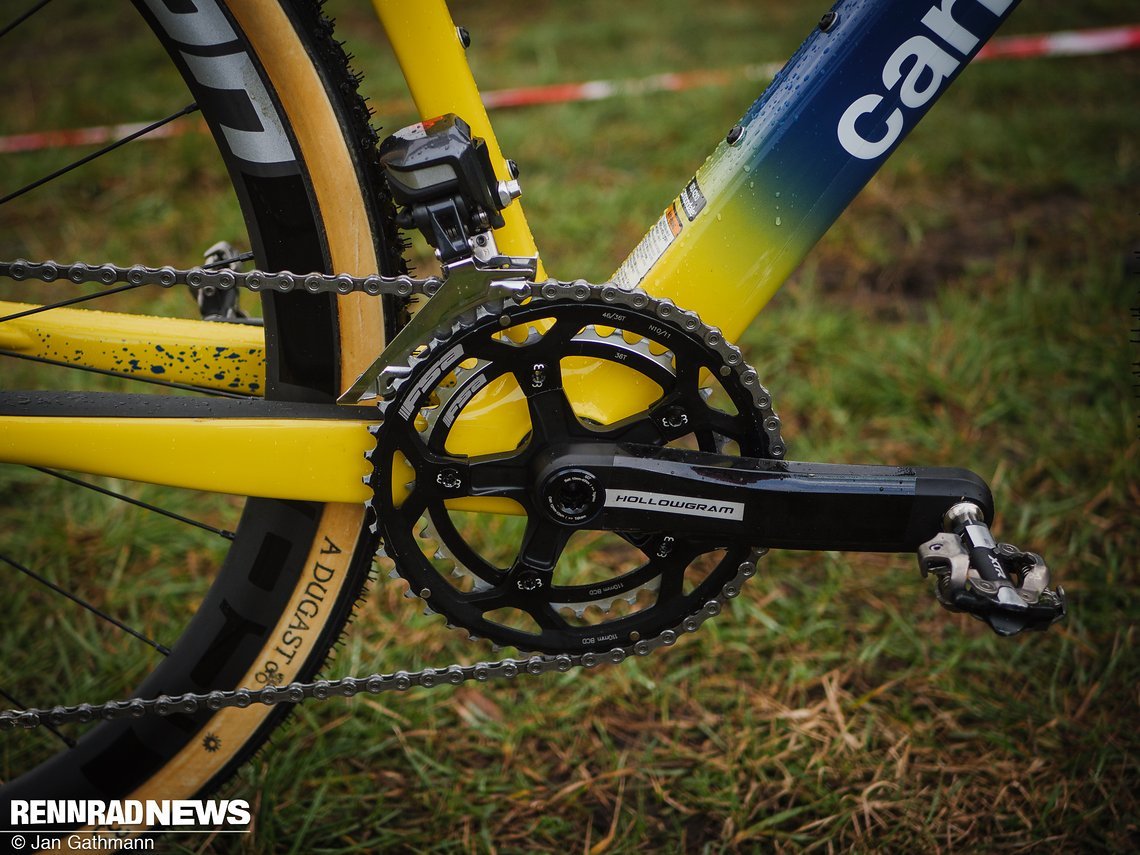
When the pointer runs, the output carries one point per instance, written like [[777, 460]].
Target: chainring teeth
[[438, 380]]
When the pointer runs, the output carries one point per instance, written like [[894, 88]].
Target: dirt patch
[[896, 247]]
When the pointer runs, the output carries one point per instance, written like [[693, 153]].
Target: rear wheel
[[295, 140]]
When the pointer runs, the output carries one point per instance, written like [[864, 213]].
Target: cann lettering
[[928, 63], [314, 597]]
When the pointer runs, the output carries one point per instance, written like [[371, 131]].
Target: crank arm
[[940, 513], [774, 503]]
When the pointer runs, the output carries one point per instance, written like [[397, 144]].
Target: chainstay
[[284, 281], [399, 681]]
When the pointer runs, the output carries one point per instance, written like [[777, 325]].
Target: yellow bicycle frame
[[721, 248]]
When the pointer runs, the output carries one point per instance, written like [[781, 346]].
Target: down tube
[[803, 151]]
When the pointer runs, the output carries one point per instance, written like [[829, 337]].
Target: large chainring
[[520, 578]]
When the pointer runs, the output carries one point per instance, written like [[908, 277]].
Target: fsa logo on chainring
[[928, 65], [228, 82]]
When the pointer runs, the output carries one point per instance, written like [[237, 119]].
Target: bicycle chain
[[375, 684], [283, 281], [378, 683]]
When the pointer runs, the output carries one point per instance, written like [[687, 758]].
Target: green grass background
[[972, 308]]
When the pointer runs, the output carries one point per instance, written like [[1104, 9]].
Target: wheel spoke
[[19, 19], [226, 262], [69, 302], [142, 132], [95, 610], [228, 535]]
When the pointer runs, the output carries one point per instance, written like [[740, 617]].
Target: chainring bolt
[[449, 479]]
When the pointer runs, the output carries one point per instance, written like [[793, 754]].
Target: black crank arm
[[778, 504]]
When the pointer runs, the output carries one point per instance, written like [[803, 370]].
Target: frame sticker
[[692, 199], [674, 504], [651, 248]]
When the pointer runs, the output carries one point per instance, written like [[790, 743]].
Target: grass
[[971, 308]]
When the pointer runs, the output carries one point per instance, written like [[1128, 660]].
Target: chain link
[[283, 281], [398, 681]]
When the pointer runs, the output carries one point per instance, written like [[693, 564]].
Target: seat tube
[[434, 63]]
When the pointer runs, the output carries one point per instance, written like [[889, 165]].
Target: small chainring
[[535, 357]]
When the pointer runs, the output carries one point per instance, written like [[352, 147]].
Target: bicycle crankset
[[692, 481], [536, 351]]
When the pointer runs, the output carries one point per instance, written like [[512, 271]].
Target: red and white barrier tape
[[98, 135], [598, 90], [1070, 43]]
